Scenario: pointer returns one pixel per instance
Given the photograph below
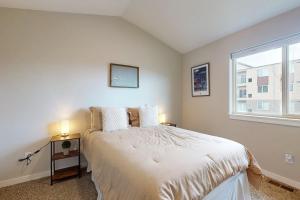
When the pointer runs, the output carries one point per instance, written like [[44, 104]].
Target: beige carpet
[[83, 189]]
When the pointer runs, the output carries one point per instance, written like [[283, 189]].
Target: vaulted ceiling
[[181, 24]]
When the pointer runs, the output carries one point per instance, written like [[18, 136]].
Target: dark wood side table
[[69, 171], [168, 124]]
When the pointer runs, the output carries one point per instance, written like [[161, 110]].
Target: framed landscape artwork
[[124, 76], [200, 80]]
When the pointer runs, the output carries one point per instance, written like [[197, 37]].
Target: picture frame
[[200, 80], [123, 76]]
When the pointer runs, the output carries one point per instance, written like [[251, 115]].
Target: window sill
[[266, 119]]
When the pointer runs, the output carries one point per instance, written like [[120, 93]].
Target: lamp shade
[[162, 118], [65, 127]]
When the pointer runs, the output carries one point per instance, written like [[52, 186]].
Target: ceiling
[[181, 24]]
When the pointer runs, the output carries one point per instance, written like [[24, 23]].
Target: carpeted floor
[[83, 189]]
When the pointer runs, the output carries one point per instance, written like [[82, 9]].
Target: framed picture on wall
[[124, 76], [200, 80]]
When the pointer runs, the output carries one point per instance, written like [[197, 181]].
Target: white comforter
[[161, 163]]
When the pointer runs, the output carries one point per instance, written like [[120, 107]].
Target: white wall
[[210, 114], [54, 66]]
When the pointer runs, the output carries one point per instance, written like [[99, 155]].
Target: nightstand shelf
[[58, 156], [65, 172]]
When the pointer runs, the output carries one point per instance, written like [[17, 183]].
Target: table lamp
[[162, 118], [64, 128]]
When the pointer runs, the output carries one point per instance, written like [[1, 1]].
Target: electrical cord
[[28, 157]]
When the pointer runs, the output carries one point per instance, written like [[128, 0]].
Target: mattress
[[162, 163]]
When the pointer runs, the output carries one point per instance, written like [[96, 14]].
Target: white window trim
[[279, 120], [266, 119]]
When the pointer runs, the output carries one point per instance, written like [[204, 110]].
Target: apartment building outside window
[[270, 73], [263, 105], [291, 87], [242, 92], [263, 72], [242, 78], [262, 89]]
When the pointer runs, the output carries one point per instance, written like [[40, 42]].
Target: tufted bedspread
[[163, 163]]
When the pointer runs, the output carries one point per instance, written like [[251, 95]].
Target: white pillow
[[148, 116], [114, 119]]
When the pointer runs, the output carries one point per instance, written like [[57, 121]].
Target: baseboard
[[23, 179], [30, 177], [282, 179]]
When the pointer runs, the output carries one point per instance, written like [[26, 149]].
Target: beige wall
[[210, 114], [54, 66]]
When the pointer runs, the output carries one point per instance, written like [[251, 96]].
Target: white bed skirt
[[235, 188]]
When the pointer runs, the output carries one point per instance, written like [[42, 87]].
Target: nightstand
[[168, 124], [69, 171]]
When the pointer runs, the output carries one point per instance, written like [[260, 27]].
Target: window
[[273, 83], [293, 79], [261, 64], [262, 89]]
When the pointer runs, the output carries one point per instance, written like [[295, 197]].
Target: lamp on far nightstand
[[162, 118], [64, 128]]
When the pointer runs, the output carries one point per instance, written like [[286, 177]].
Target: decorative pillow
[[148, 116], [96, 118], [134, 119], [114, 118]]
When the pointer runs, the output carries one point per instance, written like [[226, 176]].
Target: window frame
[[285, 118]]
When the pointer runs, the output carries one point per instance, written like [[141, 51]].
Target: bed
[[168, 163]]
